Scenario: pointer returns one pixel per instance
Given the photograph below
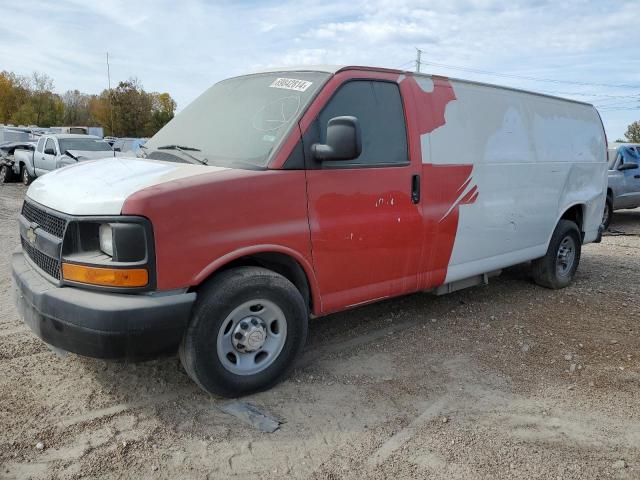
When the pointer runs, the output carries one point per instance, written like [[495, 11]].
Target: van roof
[[332, 69]]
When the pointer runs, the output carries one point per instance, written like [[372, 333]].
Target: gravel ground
[[502, 381]]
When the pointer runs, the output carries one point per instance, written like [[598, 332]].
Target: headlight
[[113, 252], [106, 239]]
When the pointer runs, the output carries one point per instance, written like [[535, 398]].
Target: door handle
[[636, 176], [415, 189]]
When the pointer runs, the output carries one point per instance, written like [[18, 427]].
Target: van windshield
[[238, 122]]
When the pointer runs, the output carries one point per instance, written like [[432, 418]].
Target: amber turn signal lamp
[[107, 277]]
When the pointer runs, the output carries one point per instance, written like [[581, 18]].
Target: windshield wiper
[[185, 150], [178, 147]]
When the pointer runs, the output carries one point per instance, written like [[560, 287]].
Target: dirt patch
[[504, 381]]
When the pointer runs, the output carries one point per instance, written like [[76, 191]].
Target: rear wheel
[[608, 212], [26, 176], [247, 328], [6, 174], [558, 267]]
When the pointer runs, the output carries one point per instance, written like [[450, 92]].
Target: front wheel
[[558, 267], [247, 328]]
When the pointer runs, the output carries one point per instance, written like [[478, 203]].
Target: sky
[[587, 50]]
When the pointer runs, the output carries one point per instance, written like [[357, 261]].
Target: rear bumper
[[97, 324]]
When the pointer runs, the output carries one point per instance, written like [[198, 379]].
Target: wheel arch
[[610, 195], [285, 261], [575, 213], [29, 168]]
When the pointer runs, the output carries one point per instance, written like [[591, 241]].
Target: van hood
[[100, 187]]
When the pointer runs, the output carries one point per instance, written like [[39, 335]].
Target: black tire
[[608, 212], [6, 174], [549, 271], [217, 299], [26, 176]]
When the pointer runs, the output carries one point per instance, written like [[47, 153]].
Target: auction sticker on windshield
[[291, 84]]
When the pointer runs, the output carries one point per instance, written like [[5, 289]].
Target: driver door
[[365, 223], [38, 157], [48, 157]]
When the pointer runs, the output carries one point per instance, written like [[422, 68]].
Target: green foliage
[[126, 111], [633, 132]]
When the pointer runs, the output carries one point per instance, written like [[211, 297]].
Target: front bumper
[[98, 324]]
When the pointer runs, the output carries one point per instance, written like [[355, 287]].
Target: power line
[[618, 109], [587, 94], [526, 77], [408, 62]]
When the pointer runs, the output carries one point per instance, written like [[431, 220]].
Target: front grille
[[50, 265], [48, 222]]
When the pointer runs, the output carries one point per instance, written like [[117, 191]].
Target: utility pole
[[418, 59], [110, 102]]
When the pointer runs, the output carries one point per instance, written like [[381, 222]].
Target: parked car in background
[[57, 151], [8, 172], [128, 145], [299, 192], [74, 130], [624, 180]]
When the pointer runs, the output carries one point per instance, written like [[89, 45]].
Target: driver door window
[[50, 145], [378, 108]]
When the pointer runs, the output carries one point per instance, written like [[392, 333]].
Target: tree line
[[124, 111], [633, 132]]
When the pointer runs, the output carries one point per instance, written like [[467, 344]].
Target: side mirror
[[343, 140], [49, 151], [628, 166]]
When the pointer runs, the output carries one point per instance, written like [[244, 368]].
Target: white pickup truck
[[57, 151]]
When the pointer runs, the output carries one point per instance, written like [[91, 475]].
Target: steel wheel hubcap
[[251, 337], [249, 334], [566, 256]]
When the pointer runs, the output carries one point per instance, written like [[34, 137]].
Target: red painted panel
[[365, 230], [444, 192], [444, 187], [204, 221], [365, 234]]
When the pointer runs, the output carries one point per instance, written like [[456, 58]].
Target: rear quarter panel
[[25, 157], [531, 158]]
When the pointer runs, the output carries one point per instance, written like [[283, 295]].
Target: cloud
[[184, 47]]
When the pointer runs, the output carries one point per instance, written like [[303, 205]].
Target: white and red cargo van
[[285, 194]]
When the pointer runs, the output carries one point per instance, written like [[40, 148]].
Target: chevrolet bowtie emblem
[[31, 236]]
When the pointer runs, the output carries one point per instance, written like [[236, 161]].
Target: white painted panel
[[533, 157], [100, 187]]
